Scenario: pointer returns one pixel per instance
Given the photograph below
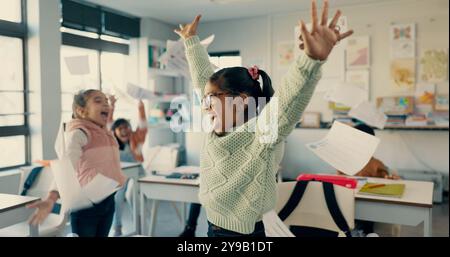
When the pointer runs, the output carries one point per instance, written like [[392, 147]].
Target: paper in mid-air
[[175, 57], [345, 148], [140, 93], [78, 65], [347, 94], [369, 114]]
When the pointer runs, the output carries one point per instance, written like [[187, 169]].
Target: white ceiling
[[182, 11]]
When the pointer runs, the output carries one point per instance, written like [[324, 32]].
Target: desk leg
[[143, 209], [427, 223], [154, 211], [136, 201], [183, 222], [34, 231]]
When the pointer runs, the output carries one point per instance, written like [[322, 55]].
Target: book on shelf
[[416, 120], [396, 120], [154, 52]]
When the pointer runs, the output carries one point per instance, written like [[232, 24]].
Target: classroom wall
[[157, 30], [256, 38]]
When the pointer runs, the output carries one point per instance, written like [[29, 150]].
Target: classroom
[[224, 118]]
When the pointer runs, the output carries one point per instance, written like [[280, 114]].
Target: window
[[71, 84], [10, 10], [114, 82], [100, 38], [14, 128], [225, 59]]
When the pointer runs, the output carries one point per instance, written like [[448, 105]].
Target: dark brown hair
[[237, 80]]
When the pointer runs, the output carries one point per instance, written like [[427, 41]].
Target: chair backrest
[[312, 210], [40, 188], [42, 183], [10, 182]]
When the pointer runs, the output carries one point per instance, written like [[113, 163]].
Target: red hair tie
[[253, 71]]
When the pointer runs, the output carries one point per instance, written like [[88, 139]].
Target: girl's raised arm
[[298, 85], [197, 57]]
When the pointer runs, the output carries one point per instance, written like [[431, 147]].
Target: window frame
[[19, 30]]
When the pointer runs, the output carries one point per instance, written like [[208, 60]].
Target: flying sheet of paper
[[369, 114], [345, 148], [175, 56], [347, 94], [77, 65], [100, 187], [72, 196], [274, 226], [140, 93]]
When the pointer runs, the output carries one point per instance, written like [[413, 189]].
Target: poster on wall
[[285, 54], [403, 74], [333, 71], [358, 53], [434, 65], [360, 78], [403, 44]]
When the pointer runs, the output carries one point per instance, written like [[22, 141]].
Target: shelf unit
[[170, 84]]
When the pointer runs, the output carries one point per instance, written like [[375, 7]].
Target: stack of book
[[417, 120], [395, 120]]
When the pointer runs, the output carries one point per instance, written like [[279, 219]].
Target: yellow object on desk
[[390, 190]]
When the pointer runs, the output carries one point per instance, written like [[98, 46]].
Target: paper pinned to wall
[[347, 94], [369, 114], [403, 41], [345, 148], [78, 65]]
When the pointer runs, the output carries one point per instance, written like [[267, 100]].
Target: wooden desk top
[[417, 193], [8, 202], [170, 181]]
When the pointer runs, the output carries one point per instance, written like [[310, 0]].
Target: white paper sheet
[[100, 187], [140, 93], [175, 57], [347, 94], [345, 148], [72, 196], [78, 65], [274, 226], [369, 114]]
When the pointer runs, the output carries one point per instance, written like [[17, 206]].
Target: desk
[[159, 188], [414, 207], [131, 170], [13, 210]]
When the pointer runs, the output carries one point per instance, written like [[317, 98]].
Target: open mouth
[[104, 114]]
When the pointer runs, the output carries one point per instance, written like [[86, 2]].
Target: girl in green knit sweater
[[240, 159]]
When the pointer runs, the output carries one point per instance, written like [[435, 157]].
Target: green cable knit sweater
[[238, 170]]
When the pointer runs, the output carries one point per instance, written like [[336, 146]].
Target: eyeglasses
[[207, 100]]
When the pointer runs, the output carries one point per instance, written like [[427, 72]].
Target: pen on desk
[[376, 185]]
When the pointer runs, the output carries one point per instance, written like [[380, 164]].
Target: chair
[[312, 210], [10, 182], [54, 225]]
